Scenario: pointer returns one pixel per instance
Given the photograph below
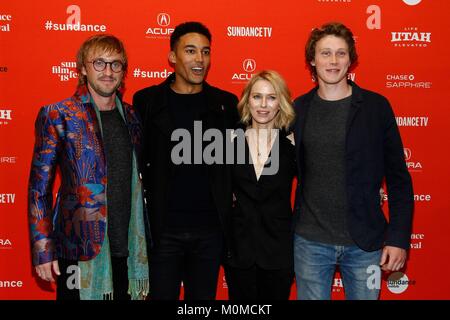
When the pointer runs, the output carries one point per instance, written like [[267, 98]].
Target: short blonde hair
[[103, 43], [285, 116]]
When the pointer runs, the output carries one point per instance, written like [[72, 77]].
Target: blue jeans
[[315, 264]]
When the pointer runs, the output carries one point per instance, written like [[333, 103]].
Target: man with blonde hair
[[95, 238]]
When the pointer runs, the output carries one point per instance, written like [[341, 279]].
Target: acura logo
[[407, 153], [163, 19], [249, 65]]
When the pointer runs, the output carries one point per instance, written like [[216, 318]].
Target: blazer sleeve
[[234, 111], [139, 104], [42, 175], [398, 182]]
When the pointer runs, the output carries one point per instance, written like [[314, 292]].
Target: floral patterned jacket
[[68, 136]]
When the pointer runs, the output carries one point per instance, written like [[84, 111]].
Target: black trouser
[[192, 257], [64, 290], [255, 283]]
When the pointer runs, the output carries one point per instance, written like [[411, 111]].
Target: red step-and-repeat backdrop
[[404, 54]]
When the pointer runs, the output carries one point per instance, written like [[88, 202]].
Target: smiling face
[[331, 60], [106, 82], [191, 59], [264, 104]]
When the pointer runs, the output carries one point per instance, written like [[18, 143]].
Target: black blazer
[[152, 105], [261, 219], [374, 151]]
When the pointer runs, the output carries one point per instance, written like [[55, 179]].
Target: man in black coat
[[187, 197], [347, 142]]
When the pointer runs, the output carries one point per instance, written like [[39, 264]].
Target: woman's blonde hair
[[286, 114]]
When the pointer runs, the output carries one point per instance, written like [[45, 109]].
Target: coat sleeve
[[42, 174], [139, 105], [398, 182]]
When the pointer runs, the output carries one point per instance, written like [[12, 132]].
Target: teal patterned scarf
[[96, 274]]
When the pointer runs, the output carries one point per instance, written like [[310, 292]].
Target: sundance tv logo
[[5, 116], [249, 32], [7, 198], [410, 37], [65, 70], [248, 66], [412, 121], [163, 31]]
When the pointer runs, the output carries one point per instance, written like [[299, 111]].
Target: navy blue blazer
[[374, 151]]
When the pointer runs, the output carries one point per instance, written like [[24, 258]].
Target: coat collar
[[213, 101], [160, 110]]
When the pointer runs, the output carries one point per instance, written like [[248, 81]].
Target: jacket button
[[148, 164]]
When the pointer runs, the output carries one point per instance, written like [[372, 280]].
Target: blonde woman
[[259, 262]]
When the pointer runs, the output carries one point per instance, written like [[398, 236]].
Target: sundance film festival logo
[[249, 32], [416, 240], [248, 67], [406, 81], [5, 244], [398, 282], [152, 74], [412, 166], [5, 22], [163, 31], [5, 116], [412, 121], [73, 23], [410, 37], [65, 70]]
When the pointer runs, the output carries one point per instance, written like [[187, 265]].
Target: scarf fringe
[[138, 288], [108, 296]]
